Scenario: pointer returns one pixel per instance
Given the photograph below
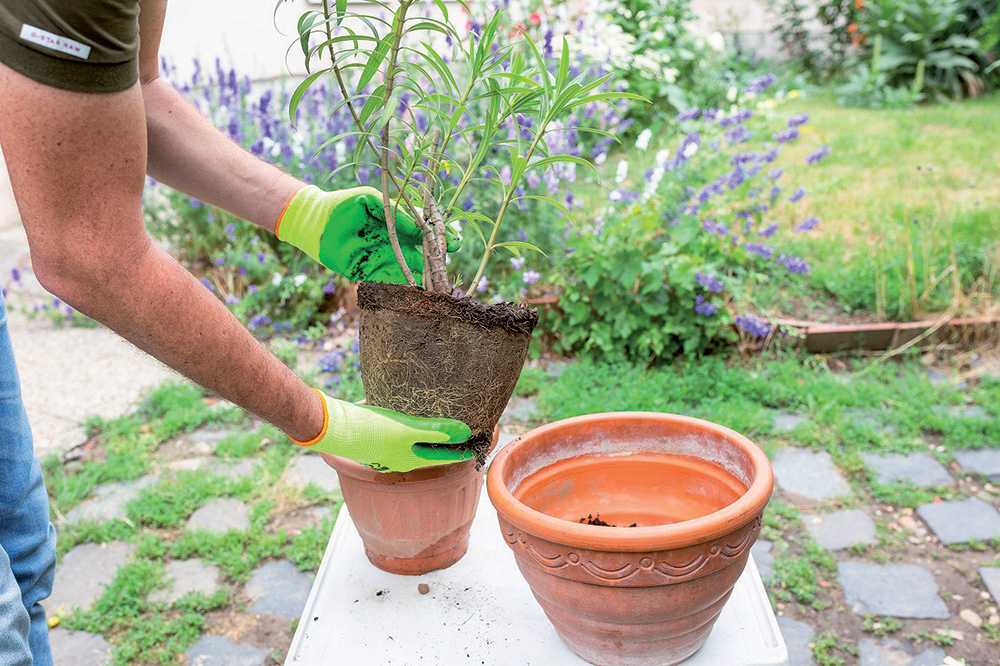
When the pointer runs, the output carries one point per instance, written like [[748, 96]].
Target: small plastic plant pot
[[622, 595], [412, 522]]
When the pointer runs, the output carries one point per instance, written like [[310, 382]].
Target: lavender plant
[[657, 272], [410, 81]]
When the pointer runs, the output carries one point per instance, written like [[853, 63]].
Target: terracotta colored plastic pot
[[644, 595], [412, 522]]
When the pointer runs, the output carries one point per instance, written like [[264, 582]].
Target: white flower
[[716, 41], [661, 156], [731, 94], [483, 283], [622, 173], [276, 280], [299, 280], [642, 143], [690, 150], [601, 159], [670, 74], [616, 195]]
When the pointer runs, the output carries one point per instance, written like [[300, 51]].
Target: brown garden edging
[[825, 338]]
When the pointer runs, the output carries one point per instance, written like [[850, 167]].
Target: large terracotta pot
[[644, 595], [412, 522]]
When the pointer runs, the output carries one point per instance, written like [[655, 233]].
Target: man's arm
[[189, 154], [77, 163]]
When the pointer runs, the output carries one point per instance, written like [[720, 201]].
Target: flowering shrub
[[654, 275]]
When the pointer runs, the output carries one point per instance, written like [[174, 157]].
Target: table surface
[[478, 611]]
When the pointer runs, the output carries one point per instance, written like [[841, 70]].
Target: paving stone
[[78, 648], [308, 469], [867, 419], [220, 515], [300, 519], [220, 651], [187, 576], [761, 552], [556, 368], [206, 436], [983, 461], [241, 469], [991, 577], [278, 588], [520, 409], [109, 501], [190, 464], [899, 590], [783, 422], [895, 653], [810, 474], [84, 573], [798, 636], [840, 529], [962, 411], [943, 378], [920, 469], [962, 520]]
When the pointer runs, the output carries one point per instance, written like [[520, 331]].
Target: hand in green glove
[[384, 440], [345, 231]]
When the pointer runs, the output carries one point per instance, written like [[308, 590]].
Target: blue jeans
[[27, 538]]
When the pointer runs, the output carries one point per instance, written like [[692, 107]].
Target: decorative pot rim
[[637, 539]]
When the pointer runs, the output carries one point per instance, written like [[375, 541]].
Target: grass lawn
[[909, 202]]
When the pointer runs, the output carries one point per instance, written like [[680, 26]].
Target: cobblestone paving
[[903, 547]]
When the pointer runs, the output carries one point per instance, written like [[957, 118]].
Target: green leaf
[[513, 246], [378, 54], [341, 10], [300, 90]]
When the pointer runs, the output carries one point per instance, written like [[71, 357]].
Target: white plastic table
[[479, 611]]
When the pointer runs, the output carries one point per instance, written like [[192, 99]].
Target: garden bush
[[655, 274]]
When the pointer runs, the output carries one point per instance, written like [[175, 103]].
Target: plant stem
[[350, 105], [503, 209]]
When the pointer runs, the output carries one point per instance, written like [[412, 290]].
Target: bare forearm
[[189, 154], [158, 306]]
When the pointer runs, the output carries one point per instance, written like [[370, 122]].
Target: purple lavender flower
[[517, 263], [735, 178], [242, 271], [531, 277], [797, 195], [220, 261], [709, 282], [760, 249], [355, 345], [794, 264], [786, 135], [195, 203], [329, 288], [761, 83], [689, 146], [688, 114], [771, 155], [753, 326], [261, 257], [533, 180], [798, 119], [232, 300], [230, 228], [769, 231], [483, 284], [817, 155], [258, 321], [737, 135], [709, 115], [331, 361], [775, 174], [207, 284], [713, 227], [702, 307], [252, 289], [505, 175], [775, 191], [15, 275], [808, 224]]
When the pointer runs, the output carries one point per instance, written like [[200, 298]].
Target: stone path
[[898, 590], [962, 521], [809, 474], [186, 576], [220, 651], [306, 470], [78, 648], [278, 588], [920, 469], [84, 573], [220, 515], [840, 529], [109, 501]]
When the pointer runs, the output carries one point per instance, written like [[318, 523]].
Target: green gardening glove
[[345, 231], [384, 440]]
